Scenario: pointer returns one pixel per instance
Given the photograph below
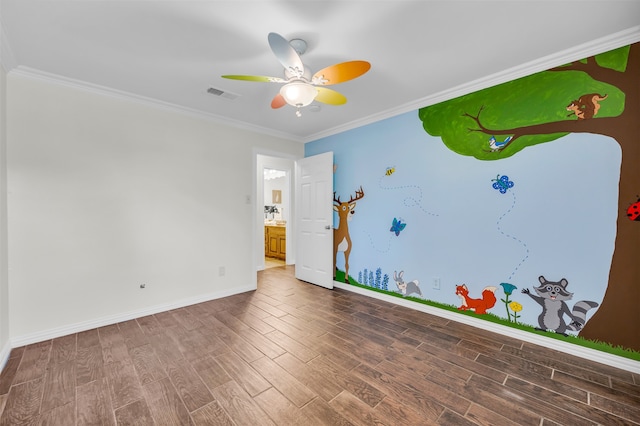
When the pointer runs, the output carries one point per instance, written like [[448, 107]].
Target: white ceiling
[[420, 51]]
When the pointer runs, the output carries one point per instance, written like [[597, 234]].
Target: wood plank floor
[[292, 353], [272, 262]]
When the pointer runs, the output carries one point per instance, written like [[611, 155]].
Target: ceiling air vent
[[222, 93]]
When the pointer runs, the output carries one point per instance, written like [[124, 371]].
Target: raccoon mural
[[552, 296]]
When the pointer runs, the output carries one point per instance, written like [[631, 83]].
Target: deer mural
[[341, 238]]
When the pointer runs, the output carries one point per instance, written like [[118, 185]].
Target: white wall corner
[[7, 60]]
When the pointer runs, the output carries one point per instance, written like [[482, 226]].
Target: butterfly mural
[[502, 183], [397, 226]]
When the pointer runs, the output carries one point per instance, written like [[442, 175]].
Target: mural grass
[[577, 340]]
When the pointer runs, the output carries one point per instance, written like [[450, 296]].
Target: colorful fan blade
[[260, 78], [278, 101], [340, 73], [331, 97], [286, 54]]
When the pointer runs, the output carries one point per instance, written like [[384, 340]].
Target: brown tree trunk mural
[[620, 308]]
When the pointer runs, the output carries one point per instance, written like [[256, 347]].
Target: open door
[[314, 219]]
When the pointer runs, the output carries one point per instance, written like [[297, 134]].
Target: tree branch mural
[[598, 95]]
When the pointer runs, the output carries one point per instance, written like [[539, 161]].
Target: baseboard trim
[[569, 348], [52, 333], [5, 352]]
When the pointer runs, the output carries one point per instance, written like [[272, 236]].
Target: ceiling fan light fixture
[[301, 88], [298, 93]]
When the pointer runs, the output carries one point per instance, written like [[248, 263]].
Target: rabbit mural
[[406, 288]]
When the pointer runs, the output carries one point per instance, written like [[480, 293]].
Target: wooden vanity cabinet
[[275, 242]]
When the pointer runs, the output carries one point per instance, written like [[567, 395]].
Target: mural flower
[[515, 307], [508, 289]]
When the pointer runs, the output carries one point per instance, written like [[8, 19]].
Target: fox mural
[[481, 305]]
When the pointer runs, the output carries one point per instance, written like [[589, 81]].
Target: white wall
[[106, 194], [4, 283]]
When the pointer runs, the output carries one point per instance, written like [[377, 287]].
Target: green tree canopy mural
[[599, 95]]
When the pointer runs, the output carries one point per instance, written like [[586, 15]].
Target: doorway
[[274, 212], [276, 216]]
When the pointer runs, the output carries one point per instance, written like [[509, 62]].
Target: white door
[[314, 219]]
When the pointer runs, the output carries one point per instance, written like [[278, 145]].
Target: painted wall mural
[[518, 204], [527, 111], [341, 237]]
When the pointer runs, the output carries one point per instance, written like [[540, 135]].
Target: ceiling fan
[[301, 88]]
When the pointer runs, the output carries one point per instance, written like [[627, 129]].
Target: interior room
[[276, 196], [322, 212]]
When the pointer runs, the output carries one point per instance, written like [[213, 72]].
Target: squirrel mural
[[552, 296], [586, 106], [479, 306]]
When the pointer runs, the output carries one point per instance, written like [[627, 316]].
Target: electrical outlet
[[436, 283], [221, 271]]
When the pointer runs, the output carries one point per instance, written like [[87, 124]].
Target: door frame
[[280, 161]]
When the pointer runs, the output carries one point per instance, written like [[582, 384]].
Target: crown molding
[[56, 79], [595, 47], [604, 44]]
